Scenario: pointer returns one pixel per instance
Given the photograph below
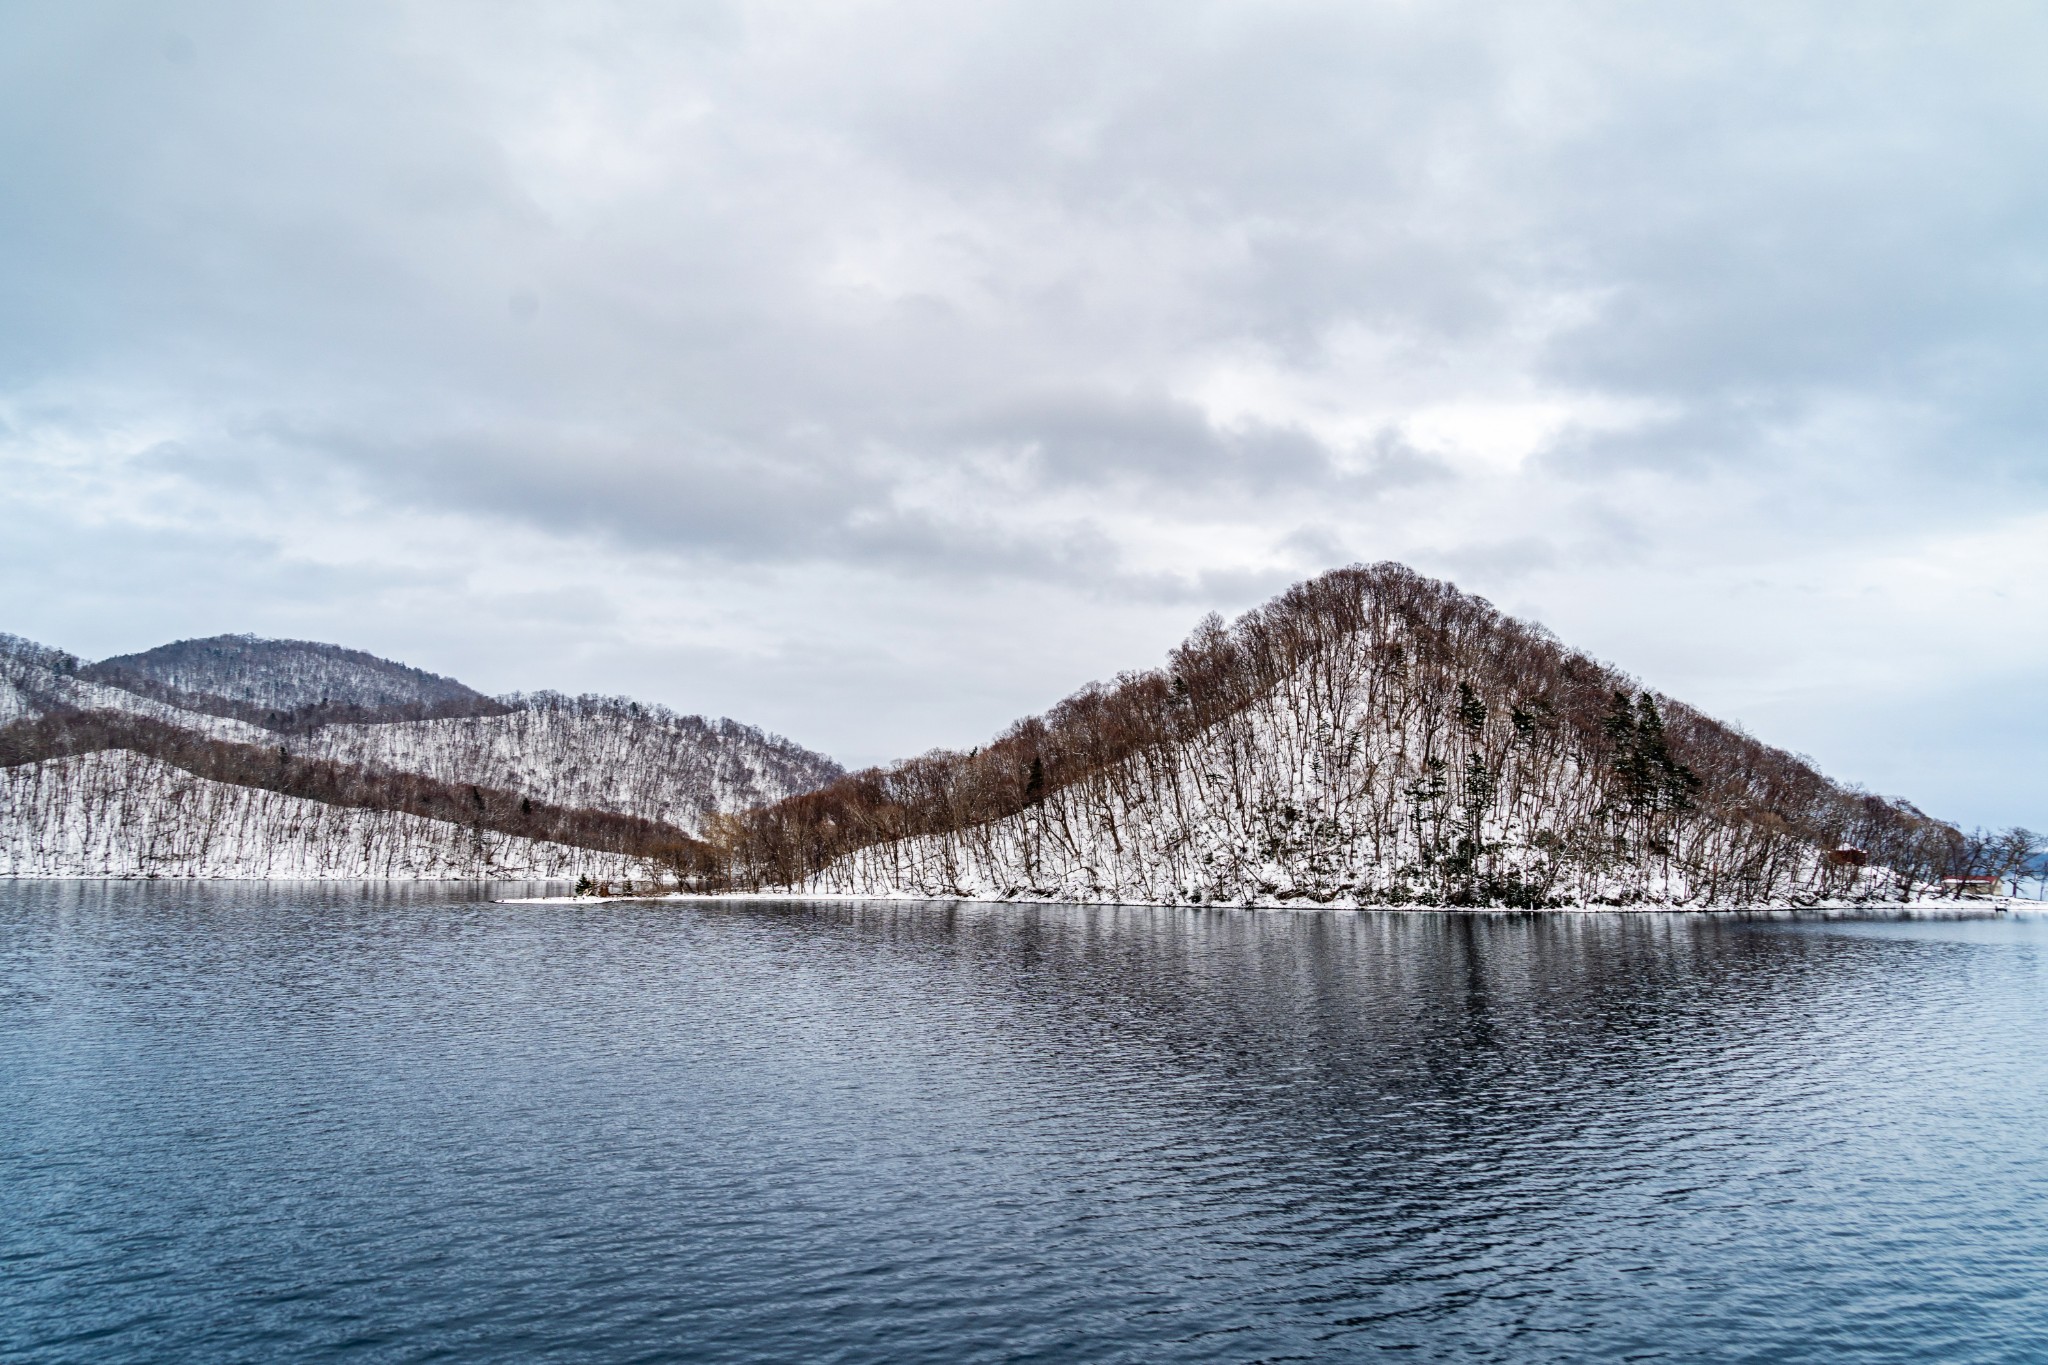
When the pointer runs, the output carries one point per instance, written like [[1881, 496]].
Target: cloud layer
[[879, 372]]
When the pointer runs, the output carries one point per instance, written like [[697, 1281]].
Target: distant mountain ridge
[[241, 746], [36, 680], [288, 685]]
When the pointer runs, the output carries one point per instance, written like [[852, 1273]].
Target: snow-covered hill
[[1369, 738], [36, 680], [1291, 802], [282, 676], [132, 811], [604, 753], [119, 814]]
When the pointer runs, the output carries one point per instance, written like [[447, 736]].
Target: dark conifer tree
[[1471, 711]]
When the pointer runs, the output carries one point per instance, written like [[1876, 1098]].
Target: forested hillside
[[118, 813], [244, 757], [36, 680], [1369, 737], [605, 753], [287, 684]]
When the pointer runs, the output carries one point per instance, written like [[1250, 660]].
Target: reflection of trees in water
[[1365, 1116], [1365, 1037]]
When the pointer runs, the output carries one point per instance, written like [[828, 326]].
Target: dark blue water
[[246, 1123]]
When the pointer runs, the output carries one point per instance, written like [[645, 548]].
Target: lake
[[259, 1122]]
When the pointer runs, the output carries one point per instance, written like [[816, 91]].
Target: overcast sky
[[878, 373]]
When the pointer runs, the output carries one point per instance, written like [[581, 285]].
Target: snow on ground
[[27, 690], [15, 704], [1930, 909], [121, 814], [73, 818], [1308, 796], [605, 754], [284, 675]]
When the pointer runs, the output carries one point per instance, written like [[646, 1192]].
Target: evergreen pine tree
[[1524, 723], [1471, 711]]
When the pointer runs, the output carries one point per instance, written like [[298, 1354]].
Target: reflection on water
[[403, 1124]]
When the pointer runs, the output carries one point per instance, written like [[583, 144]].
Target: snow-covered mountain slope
[[1277, 806], [120, 814], [282, 676], [36, 680], [581, 754], [603, 753], [1369, 738], [24, 676]]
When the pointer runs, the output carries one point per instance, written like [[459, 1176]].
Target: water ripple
[[408, 1125]]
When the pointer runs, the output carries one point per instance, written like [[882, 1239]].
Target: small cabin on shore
[[1981, 887]]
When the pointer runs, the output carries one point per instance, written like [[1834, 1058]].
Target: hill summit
[[1369, 737], [287, 684]]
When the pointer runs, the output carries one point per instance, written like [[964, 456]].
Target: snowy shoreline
[[1926, 908]]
